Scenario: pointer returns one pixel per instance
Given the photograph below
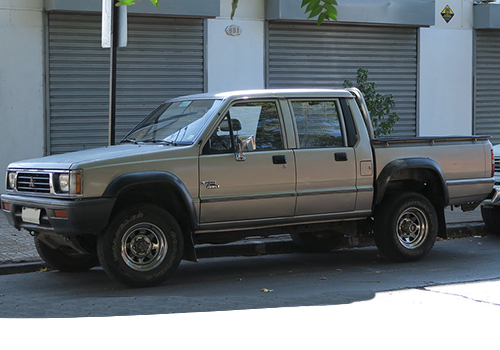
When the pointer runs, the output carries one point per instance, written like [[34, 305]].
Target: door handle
[[341, 157], [279, 159]]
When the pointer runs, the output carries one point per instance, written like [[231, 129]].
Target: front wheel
[[405, 227], [142, 246]]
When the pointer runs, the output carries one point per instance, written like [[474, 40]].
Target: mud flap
[[189, 251], [442, 232]]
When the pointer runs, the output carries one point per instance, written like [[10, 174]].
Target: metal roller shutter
[[164, 58], [487, 98], [305, 55]]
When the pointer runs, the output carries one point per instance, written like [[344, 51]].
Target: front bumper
[[64, 217]]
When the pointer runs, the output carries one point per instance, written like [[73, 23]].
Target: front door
[[245, 171]]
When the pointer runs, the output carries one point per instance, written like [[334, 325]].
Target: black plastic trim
[[409, 163], [86, 216], [139, 178]]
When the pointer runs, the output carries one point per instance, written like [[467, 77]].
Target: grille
[[497, 164], [33, 182]]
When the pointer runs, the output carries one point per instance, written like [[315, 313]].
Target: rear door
[[259, 181], [326, 164]]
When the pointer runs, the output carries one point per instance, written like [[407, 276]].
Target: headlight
[[11, 180], [64, 183], [70, 183]]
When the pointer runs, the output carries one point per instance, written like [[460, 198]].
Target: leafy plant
[[380, 106], [324, 9], [132, 2]]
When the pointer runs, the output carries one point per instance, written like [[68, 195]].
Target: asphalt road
[[298, 300]]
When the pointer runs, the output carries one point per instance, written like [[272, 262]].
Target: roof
[[269, 93]]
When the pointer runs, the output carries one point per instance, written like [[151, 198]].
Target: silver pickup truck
[[215, 168]]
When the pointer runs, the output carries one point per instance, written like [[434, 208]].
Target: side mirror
[[244, 145]]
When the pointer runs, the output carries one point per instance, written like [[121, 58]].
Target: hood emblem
[[32, 183]]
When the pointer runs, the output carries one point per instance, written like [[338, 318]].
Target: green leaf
[[331, 12], [313, 5], [321, 18], [315, 12], [132, 2], [125, 3], [324, 9], [234, 6]]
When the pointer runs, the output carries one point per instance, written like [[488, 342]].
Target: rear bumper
[[64, 217], [494, 197]]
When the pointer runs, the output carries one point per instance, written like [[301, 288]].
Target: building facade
[[440, 60]]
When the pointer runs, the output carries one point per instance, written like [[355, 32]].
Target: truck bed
[[464, 161]]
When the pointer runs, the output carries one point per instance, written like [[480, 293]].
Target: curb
[[21, 267], [470, 229], [282, 244]]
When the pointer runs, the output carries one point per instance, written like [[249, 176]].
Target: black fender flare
[[386, 175], [140, 178]]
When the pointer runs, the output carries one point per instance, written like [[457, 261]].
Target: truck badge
[[211, 185]]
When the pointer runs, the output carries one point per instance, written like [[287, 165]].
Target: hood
[[91, 157]]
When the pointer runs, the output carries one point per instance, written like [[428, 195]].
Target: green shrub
[[379, 106]]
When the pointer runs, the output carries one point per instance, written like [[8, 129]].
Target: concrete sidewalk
[[18, 252]]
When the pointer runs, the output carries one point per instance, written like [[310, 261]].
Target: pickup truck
[[216, 168]]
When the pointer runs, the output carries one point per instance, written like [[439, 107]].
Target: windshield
[[176, 123]]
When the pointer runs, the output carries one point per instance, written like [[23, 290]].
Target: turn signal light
[[492, 164], [60, 213], [78, 183]]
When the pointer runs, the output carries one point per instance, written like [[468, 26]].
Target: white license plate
[[31, 215]]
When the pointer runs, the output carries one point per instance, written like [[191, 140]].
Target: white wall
[[237, 62], [446, 72], [21, 82]]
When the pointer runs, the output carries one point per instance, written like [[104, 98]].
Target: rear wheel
[[64, 258], [405, 227], [142, 246]]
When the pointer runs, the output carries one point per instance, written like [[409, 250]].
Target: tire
[[318, 242], [405, 227], [65, 259], [141, 247], [491, 218]]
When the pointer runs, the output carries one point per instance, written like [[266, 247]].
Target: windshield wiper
[[129, 140], [166, 142]]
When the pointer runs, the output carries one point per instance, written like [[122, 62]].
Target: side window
[[318, 124], [255, 127], [260, 125], [220, 141]]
